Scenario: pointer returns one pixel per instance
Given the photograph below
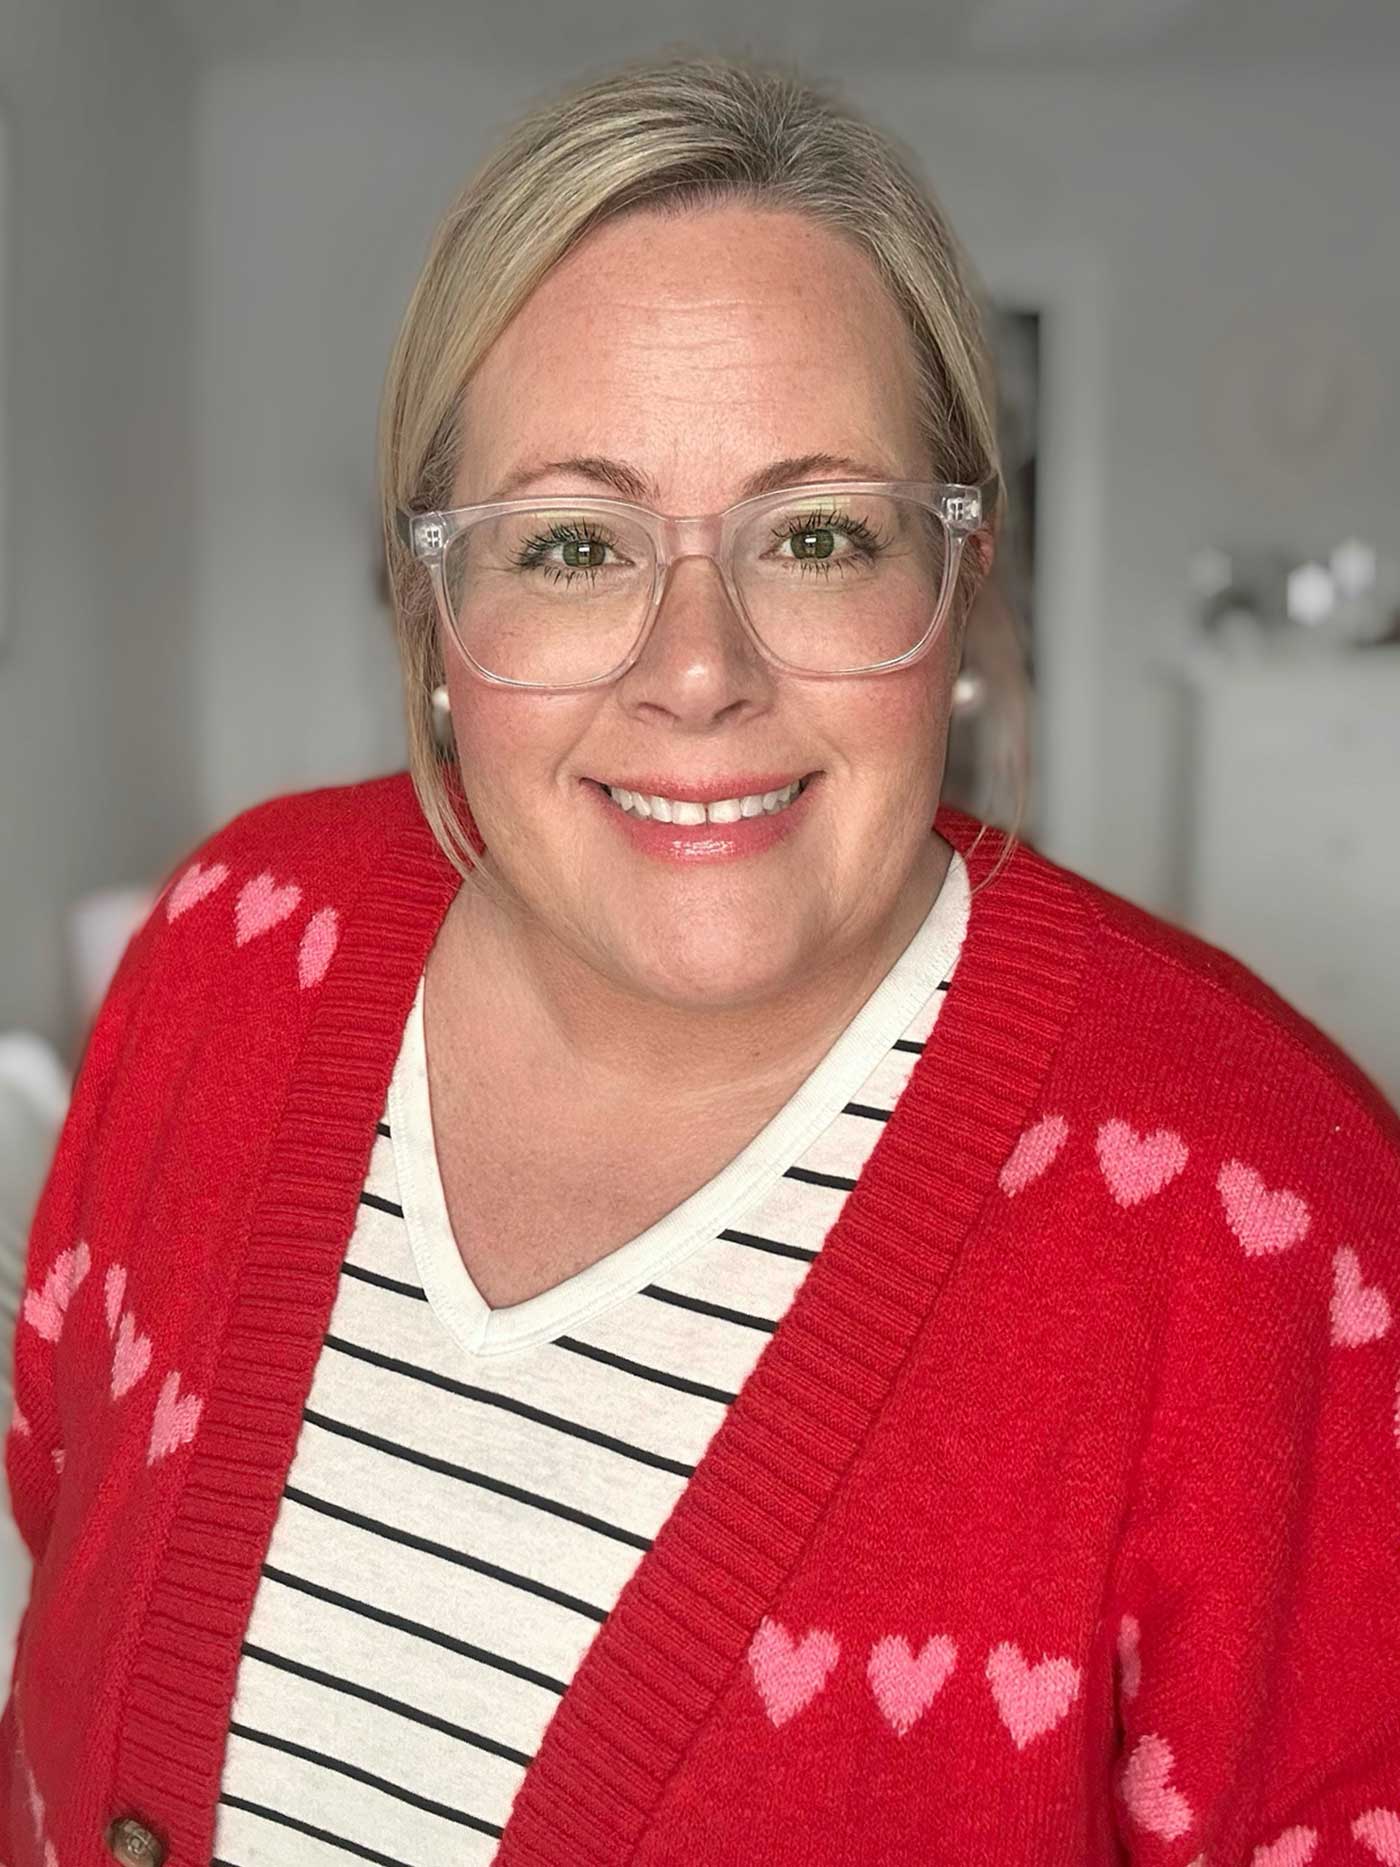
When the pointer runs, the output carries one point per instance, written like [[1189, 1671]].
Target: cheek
[[510, 746], [900, 726]]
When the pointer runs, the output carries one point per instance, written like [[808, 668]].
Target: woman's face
[[698, 350]]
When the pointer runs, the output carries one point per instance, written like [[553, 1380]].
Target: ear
[[982, 548]]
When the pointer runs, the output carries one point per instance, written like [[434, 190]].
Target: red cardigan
[[1059, 1521]]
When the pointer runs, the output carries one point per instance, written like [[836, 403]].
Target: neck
[[494, 971]]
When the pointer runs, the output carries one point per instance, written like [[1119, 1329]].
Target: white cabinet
[[1293, 860]]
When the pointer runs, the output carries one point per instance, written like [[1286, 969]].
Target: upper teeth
[[726, 810]]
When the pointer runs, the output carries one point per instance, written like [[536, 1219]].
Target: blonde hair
[[686, 130]]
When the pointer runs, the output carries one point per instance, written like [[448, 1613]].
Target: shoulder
[[321, 838], [292, 865], [1175, 1013]]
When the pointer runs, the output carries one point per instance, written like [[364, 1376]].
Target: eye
[[583, 546], [813, 536]]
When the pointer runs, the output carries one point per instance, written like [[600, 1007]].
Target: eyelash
[[861, 535]]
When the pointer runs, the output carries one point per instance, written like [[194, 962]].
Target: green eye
[[814, 543]]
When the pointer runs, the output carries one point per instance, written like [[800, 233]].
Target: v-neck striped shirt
[[472, 1488]]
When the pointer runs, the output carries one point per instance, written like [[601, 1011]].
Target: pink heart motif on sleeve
[[1379, 1830], [1129, 1662], [261, 905], [1031, 1700], [45, 1310], [1135, 1166], [194, 885], [1360, 1312], [904, 1686], [131, 1356], [113, 1291], [1152, 1800], [1032, 1154], [318, 945], [1261, 1220], [131, 1351], [175, 1419], [1293, 1848], [790, 1673]]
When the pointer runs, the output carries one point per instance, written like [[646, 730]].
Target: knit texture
[[1059, 1521]]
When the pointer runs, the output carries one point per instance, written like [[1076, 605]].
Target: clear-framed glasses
[[832, 578]]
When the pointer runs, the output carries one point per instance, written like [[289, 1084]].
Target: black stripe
[[317, 1834], [381, 1205], [418, 1630], [382, 1127], [385, 1703], [810, 1178], [864, 1108], [908, 1043], [358, 1775], [681, 1385], [709, 1309], [466, 1475], [778, 1247], [458, 1558], [381, 1281], [509, 1405]]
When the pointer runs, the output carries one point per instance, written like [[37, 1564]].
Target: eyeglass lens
[[832, 584]]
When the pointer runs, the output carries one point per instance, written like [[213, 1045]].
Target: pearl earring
[[441, 701]]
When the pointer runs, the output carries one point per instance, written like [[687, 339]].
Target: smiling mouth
[[688, 813]]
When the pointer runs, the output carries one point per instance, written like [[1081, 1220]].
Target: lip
[[705, 790], [704, 843]]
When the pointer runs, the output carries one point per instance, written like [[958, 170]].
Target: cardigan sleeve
[[57, 1257], [1348, 1810], [1255, 1606]]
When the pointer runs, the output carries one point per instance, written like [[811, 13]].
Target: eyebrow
[[636, 486]]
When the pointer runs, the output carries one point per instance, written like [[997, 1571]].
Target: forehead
[[708, 341]]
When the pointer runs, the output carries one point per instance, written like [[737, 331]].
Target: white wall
[[1171, 217], [96, 736]]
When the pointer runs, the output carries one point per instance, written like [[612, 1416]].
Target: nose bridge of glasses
[[693, 537]]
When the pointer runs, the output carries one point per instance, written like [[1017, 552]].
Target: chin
[[727, 970]]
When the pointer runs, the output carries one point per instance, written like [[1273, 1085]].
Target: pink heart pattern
[[35, 1800], [1379, 1830], [1129, 1662], [1137, 1166], [114, 1291], [1360, 1312], [318, 944], [1294, 1847], [904, 1686], [175, 1419], [789, 1674], [1261, 1220], [1032, 1154], [45, 1309], [131, 1357], [1031, 1700], [1152, 1800], [261, 905], [193, 886]]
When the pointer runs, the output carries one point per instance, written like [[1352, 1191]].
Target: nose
[[698, 657]]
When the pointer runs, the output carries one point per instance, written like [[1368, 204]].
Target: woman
[[702, 1309]]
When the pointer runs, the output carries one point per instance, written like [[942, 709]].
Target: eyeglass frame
[[965, 509]]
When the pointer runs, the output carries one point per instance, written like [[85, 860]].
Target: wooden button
[[132, 1843]]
